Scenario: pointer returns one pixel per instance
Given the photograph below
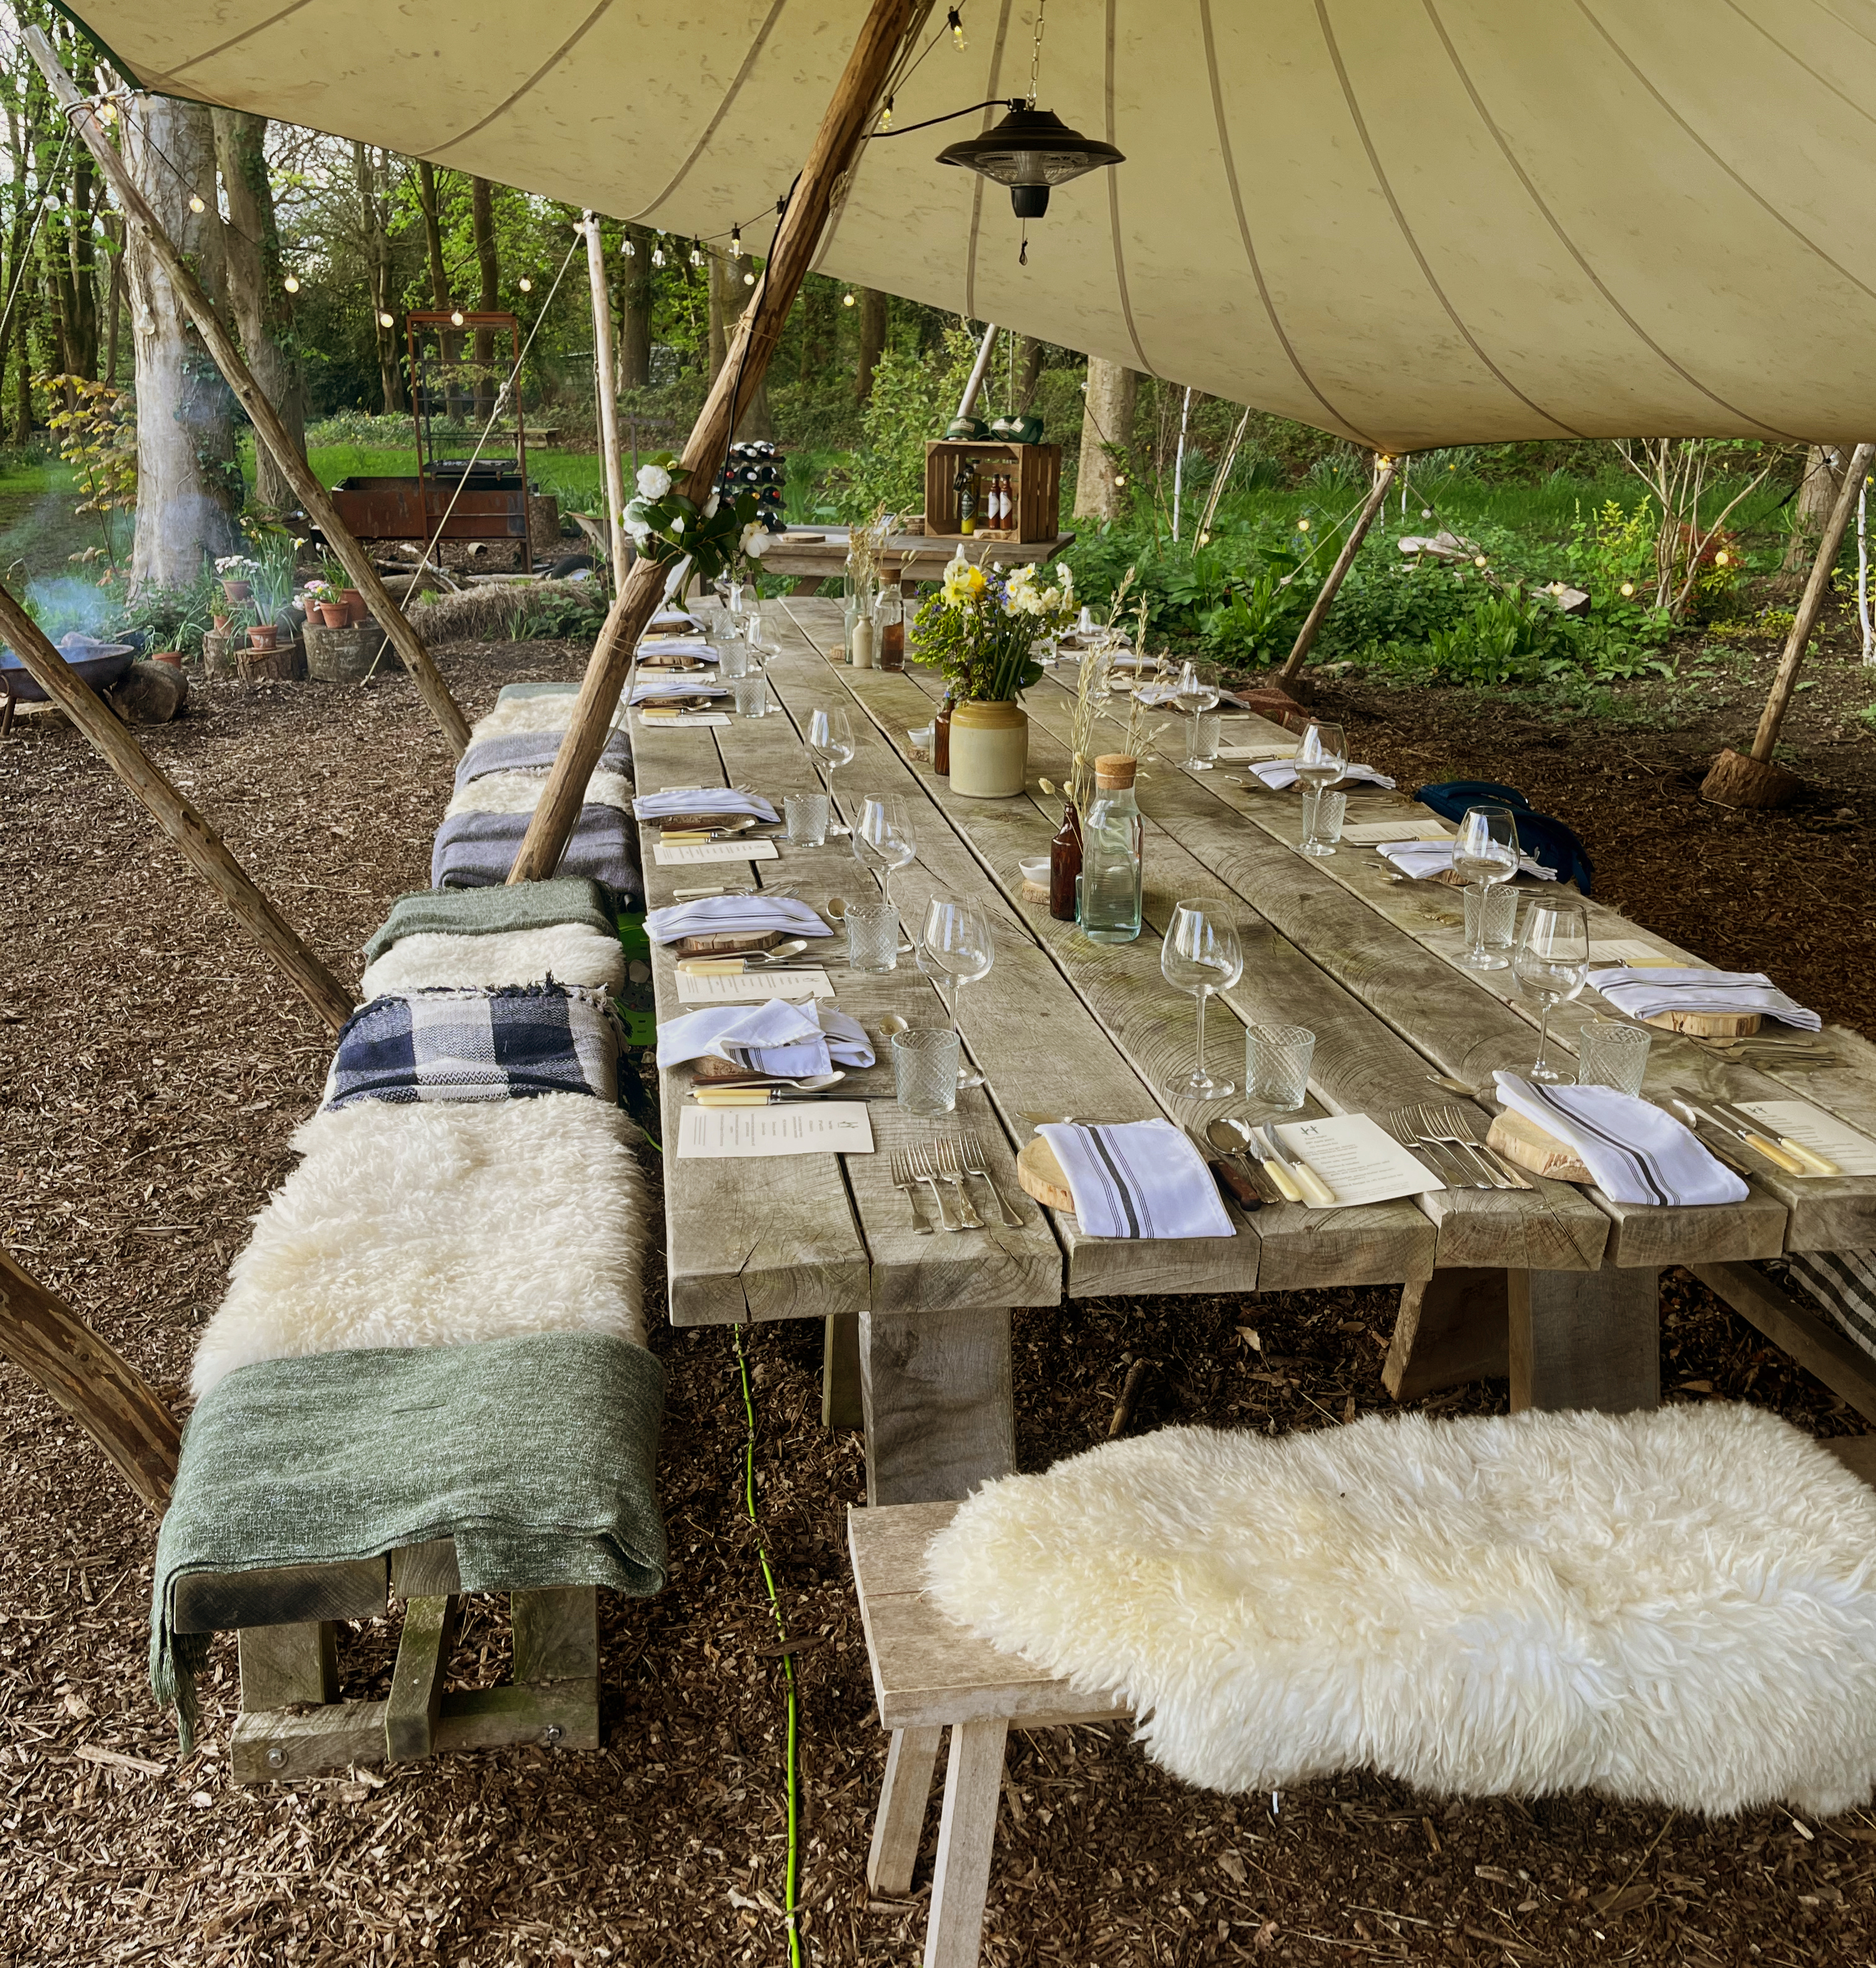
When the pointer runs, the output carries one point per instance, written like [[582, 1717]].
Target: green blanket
[[568, 898], [538, 1455], [510, 692]]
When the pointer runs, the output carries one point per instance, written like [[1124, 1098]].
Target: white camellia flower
[[677, 522], [654, 480], [759, 545], [710, 505]]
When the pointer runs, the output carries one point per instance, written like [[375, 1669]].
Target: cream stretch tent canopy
[[1411, 221]]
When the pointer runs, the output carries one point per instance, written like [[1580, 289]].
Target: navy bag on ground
[[1544, 839]]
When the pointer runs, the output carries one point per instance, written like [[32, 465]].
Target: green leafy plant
[[719, 536], [981, 625]]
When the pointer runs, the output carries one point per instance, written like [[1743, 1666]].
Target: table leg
[[841, 1405], [1586, 1339], [940, 1418]]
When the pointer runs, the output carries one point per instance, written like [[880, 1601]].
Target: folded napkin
[[656, 686], [1137, 1178], [773, 1037], [739, 915], [1636, 1153], [535, 752], [673, 621], [1280, 774], [677, 646], [1644, 994], [703, 799], [1422, 859]]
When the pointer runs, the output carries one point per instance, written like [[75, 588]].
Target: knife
[[1233, 1177], [1691, 1118], [768, 1096], [1810, 1162], [1745, 1127], [1284, 1173]]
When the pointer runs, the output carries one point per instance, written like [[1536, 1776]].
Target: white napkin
[[677, 646], [1636, 1153], [673, 621], [1137, 1178], [1643, 994], [738, 915], [1279, 775], [703, 799], [654, 685], [778, 1038], [1422, 859]]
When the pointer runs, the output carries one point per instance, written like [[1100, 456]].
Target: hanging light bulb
[[108, 113], [1120, 478], [954, 20], [1628, 589], [632, 251], [291, 283], [387, 320], [1478, 560], [735, 242], [657, 256], [885, 115], [846, 299], [195, 203], [748, 280], [697, 256], [1722, 558], [526, 285], [1302, 525], [456, 318]]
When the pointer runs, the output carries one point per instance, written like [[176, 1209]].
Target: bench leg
[[966, 1835], [416, 1698], [909, 1762], [1586, 1339], [1450, 1330], [841, 1404], [281, 1665], [940, 1416]]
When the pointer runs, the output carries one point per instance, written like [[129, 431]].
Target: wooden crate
[[1035, 475]]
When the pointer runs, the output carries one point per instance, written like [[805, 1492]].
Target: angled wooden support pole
[[252, 399], [201, 845], [99, 1389], [1306, 634], [837, 145]]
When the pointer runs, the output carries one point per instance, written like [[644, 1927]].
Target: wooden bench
[[292, 1724], [930, 1675]]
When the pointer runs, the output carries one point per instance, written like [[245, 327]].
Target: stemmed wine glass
[[956, 945], [1485, 852], [883, 840], [1194, 696], [1200, 954], [1551, 964], [1321, 758], [830, 744]]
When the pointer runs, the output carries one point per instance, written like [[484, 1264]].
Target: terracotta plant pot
[[172, 657], [989, 749], [220, 623], [264, 635], [238, 591], [334, 615], [355, 603]]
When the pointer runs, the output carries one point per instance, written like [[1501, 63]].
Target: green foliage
[[914, 399], [175, 618], [564, 618], [980, 626], [719, 536], [97, 438]]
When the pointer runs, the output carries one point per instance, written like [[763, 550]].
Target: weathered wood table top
[[1061, 1025], [815, 554]]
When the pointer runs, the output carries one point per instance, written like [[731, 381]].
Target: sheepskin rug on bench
[[1677, 1608], [440, 1225]]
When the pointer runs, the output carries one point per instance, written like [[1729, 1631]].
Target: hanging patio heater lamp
[[1031, 150]]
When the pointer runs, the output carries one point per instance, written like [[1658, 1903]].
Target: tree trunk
[[82, 280], [482, 223], [378, 263], [188, 481], [635, 311], [432, 234], [1107, 431], [1028, 370], [1811, 504], [729, 297], [52, 266], [262, 309], [819, 330], [115, 314], [872, 340]]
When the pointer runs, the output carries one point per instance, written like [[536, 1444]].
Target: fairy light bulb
[[1723, 557], [1204, 539], [456, 318], [657, 256], [632, 251], [108, 114], [1302, 525], [525, 284], [1119, 479], [387, 320], [885, 115], [697, 256], [955, 21], [1628, 589], [1478, 560], [735, 242], [195, 203], [846, 300], [291, 283]]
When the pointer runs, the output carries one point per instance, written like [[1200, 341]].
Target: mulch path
[[152, 1069]]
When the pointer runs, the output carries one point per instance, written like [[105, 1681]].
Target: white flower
[[758, 546], [710, 505], [654, 480], [746, 543], [639, 531], [677, 522]]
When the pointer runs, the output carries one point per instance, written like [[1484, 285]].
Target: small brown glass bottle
[[941, 738], [889, 623], [1065, 864]]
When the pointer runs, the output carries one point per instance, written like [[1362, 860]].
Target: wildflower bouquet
[[721, 536], [980, 627]]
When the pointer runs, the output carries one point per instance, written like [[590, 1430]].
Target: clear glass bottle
[[1112, 844]]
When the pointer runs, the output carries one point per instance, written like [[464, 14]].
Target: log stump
[[1268, 700], [544, 525], [149, 693], [342, 655], [1736, 780], [217, 656]]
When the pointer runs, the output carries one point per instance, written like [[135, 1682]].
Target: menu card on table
[[1358, 1157], [687, 853], [813, 1127], [1371, 833], [1811, 1128], [752, 987], [666, 719], [1253, 754]]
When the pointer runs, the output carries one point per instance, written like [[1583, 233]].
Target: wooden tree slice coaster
[[1707, 1024], [1040, 1174], [1534, 1148]]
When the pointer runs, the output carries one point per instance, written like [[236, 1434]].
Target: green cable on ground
[[791, 1885]]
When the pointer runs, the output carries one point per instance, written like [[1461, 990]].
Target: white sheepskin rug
[[437, 1226], [568, 952], [520, 792], [532, 713], [1677, 1608]]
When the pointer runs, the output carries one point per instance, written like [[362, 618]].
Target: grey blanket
[[534, 751], [568, 898], [538, 1455], [476, 850]]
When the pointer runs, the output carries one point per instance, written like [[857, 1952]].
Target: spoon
[[891, 1023], [812, 1083], [1232, 1138], [1452, 1086]]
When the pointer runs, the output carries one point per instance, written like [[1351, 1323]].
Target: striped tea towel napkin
[[739, 915], [1644, 994], [659, 647], [773, 1037], [1421, 860], [703, 799], [1137, 1178], [1279, 775], [656, 686], [1636, 1153]]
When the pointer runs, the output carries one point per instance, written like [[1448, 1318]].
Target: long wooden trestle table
[[1556, 1285]]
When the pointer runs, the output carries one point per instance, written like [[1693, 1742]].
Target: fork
[[903, 1178], [957, 1158], [1445, 1125], [1404, 1124], [927, 1160], [918, 1162], [978, 1163]]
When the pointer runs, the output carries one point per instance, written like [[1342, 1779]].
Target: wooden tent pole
[[99, 1389], [252, 399], [199, 842], [1812, 606], [1306, 634], [849, 115], [608, 379]]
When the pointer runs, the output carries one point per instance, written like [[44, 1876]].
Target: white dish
[[920, 739], [1036, 872]]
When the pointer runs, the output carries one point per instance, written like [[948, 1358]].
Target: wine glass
[[955, 946], [1200, 955], [1485, 852], [1551, 964], [1321, 760], [1194, 696], [883, 840], [830, 744]]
